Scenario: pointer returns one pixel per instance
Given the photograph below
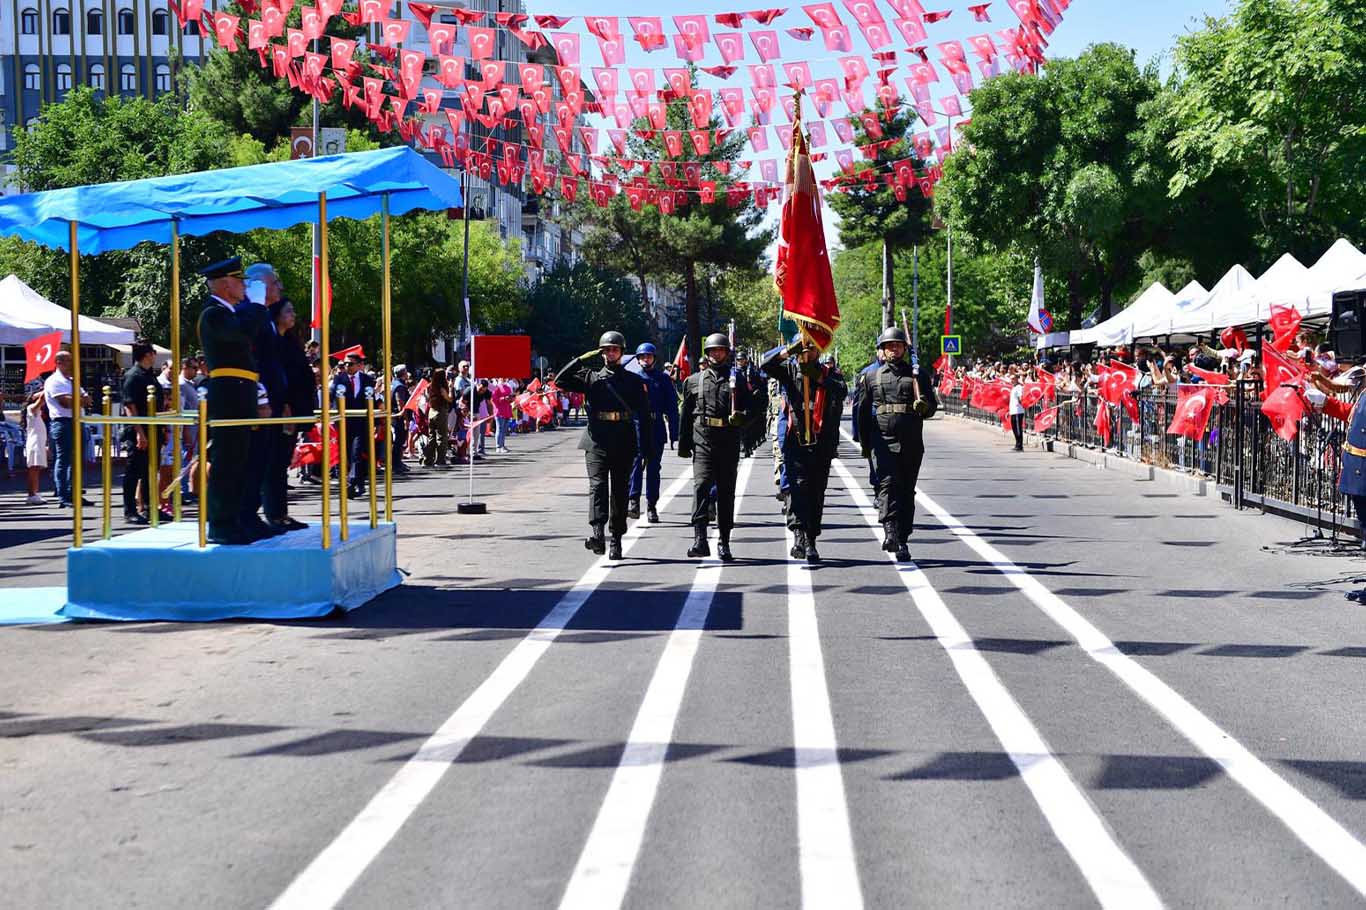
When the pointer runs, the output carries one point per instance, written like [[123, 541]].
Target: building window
[[94, 22], [163, 78], [126, 23], [64, 77], [32, 78], [128, 78], [192, 27], [160, 22], [97, 76], [28, 22], [61, 22]]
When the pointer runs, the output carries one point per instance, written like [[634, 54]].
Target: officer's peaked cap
[[228, 268]]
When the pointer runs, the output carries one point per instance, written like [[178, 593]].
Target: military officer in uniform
[[716, 407], [232, 393], [815, 389], [616, 402], [894, 401], [1352, 479], [664, 406]]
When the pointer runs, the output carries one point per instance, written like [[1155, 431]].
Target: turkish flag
[[344, 352], [681, 362], [1046, 420], [1278, 370], [413, 397], [1049, 383], [1210, 376], [1032, 394], [802, 271], [1119, 387], [1102, 422], [1194, 404], [40, 355], [1284, 323], [501, 355], [1284, 407]]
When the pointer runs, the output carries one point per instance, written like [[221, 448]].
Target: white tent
[[1342, 268], [1197, 317], [1119, 329], [25, 314], [1159, 322], [1281, 285]]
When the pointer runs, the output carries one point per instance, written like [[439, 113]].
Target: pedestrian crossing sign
[[951, 344]]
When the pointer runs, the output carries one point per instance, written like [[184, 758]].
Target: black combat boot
[[652, 515], [614, 549], [813, 556], [596, 543], [903, 552], [798, 550], [891, 534], [633, 510], [723, 549], [699, 546]]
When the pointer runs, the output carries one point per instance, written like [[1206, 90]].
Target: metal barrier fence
[[1239, 450]]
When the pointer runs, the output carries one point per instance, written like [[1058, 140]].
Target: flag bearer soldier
[[716, 408], [816, 391], [232, 394], [616, 402], [894, 401], [664, 407]]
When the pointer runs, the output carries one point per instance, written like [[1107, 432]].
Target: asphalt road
[[1087, 690]]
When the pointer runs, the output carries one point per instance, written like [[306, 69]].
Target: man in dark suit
[[357, 386], [255, 319], [232, 394]]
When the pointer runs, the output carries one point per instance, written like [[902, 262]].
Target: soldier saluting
[[814, 394], [615, 400], [894, 401], [716, 406]]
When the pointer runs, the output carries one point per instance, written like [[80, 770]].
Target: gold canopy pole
[[388, 377], [203, 472], [325, 422], [77, 475], [174, 404], [107, 464], [342, 479], [153, 493]]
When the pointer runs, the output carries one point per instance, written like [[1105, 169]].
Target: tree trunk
[[888, 287], [694, 324], [1074, 300]]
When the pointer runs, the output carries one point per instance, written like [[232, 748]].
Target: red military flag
[[1194, 404], [40, 355], [802, 271], [681, 362]]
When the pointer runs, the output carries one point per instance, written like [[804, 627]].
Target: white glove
[[1316, 398]]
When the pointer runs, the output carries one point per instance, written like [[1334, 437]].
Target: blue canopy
[[116, 216]]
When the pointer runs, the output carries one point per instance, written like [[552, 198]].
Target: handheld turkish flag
[[802, 270], [1284, 323], [681, 362], [1103, 422], [345, 352], [1032, 394], [1279, 370], [40, 355], [1049, 383], [415, 396], [1046, 420], [1284, 407], [1210, 376], [1121, 383], [1193, 407]]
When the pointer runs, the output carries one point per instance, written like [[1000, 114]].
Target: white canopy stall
[[25, 314], [1121, 328]]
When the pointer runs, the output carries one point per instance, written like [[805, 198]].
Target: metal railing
[[1239, 450]]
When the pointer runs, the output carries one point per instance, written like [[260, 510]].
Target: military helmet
[[645, 348], [612, 339], [716, 340], [890, 335]]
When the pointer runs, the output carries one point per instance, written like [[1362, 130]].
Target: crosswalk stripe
[[829, 869], [332, 873], [603, 872], [1079, 827], [1318, 830]]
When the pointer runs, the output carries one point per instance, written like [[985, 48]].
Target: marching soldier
[[894, 401], [716, 405], [615, 400], [816, 391], [233, 393]]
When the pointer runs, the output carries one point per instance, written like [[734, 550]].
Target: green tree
[[1274, 97], [749, 297], [1052, 166], [870, 212], [573, 303]]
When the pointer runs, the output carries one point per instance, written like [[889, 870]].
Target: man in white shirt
[[1017, 409], [58, 392]]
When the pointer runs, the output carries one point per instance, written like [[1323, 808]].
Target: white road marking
[[829, 870], [1319, 831], [332, 873], [603, 873], [1079, 827]]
